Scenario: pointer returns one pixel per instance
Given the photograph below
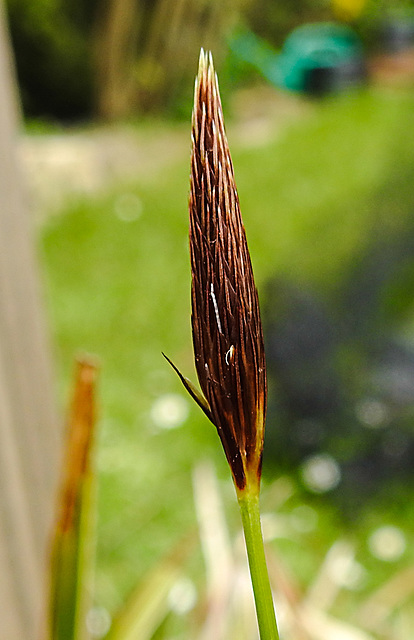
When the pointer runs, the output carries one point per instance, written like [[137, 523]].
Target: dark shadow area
[[341, 363]]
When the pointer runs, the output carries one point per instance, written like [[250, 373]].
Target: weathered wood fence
[[29, 431]]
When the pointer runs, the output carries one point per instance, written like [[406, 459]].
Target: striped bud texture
[[227, 331]]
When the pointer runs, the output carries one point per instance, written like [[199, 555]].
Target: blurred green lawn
[[312, 197]]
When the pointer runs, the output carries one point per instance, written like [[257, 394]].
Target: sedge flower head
[[226, 326]]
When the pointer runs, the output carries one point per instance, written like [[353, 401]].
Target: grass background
[[315, 194]]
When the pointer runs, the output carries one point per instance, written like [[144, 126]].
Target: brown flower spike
[[227, 331]]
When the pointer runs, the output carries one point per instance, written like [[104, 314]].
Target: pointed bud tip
[[205, 63]]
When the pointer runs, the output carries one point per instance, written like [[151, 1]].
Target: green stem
[[250, 513]]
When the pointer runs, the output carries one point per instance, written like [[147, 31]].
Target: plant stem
[[250, 513]]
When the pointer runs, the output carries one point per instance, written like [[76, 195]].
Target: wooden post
[[29, 430]]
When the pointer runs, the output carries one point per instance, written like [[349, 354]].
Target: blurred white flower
[[98, 622], [387, 543], [169, 411], [372, 413], [346, 572], [182, 596], [321, 473]]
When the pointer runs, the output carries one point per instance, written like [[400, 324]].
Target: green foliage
[[275, 20], [315, 195], [52, 51]]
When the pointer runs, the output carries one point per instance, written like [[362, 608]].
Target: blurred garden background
[[322, 138]]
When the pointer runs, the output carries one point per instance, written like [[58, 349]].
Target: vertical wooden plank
[[29, 437]]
